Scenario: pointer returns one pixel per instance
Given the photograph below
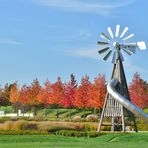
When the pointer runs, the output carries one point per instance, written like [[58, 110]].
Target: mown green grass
[[63, 113], [134, 140]]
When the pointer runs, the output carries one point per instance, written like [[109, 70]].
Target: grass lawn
[[134, 140]]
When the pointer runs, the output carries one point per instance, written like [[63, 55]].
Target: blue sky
[[48, 38]]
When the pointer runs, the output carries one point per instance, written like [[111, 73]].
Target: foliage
[[57, 93], [92, 118], [72, 133], [18, 125], [23, 132], [69, 92], [44, 97], [83, 93], [5, 95], [76, 118], [98, 92], [68, 99], [68, 95], [138, 91]]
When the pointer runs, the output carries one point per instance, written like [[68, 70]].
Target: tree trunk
[[5, 110], [34, 110], [84, 113], [44, 111], [95, 110], [70, 114], [57, 111], [100, 110]]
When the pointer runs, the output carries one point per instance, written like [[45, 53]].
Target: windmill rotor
[[114, 43]]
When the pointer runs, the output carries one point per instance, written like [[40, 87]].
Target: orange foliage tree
[[57, 93], [29, 95], [98, 93], [44, 97], [69, 94], [15, 96], [83, 94], [138, 91]]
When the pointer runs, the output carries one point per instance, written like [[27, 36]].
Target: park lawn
[[134, 140]]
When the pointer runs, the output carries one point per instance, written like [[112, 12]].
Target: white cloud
[[9, 41], [85, 53], [134, 68], [77, 36], [96, 6]]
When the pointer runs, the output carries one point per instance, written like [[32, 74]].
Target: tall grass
[[47, 125]]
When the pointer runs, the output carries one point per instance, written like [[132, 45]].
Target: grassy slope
[[63, 113], [51, 113], [135, 140]]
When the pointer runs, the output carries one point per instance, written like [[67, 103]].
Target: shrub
[[142, 127], [90, 127], [106, 128], [54, 126], [71, 133], [8, 125], [92, 118], [77, 118], [4, 119], [19, 125], [54, 129], [36, 118], [30, 126], [79, 126], [23, 132]]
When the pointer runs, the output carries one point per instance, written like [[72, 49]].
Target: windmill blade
[[132, 49], [103, 50], [127, 51], [114, 57], [121, 56], [130, 36], [102, 43], [117, 30], [129, 46], [107, 56], [110, 32], [104, 36], [141, 45], [124, 31]]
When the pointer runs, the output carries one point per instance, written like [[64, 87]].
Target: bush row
[[47, 126], [89, 118], [71, 133], [23, 132]]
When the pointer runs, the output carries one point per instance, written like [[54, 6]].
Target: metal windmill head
[[114, 44]]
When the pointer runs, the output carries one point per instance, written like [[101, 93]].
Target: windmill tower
[[113, 111]]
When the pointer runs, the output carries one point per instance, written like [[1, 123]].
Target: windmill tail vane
[[117, 104]]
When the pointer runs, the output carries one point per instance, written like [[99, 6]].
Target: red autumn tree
[[69, 94], [1, 97], [98, 93], [138, 91], [29, 94], [5, 96], [24, 95], [83, 93], [57, 93], [15, 96], [44, 96]]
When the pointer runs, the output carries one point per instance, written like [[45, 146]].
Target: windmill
[[112, 47]]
